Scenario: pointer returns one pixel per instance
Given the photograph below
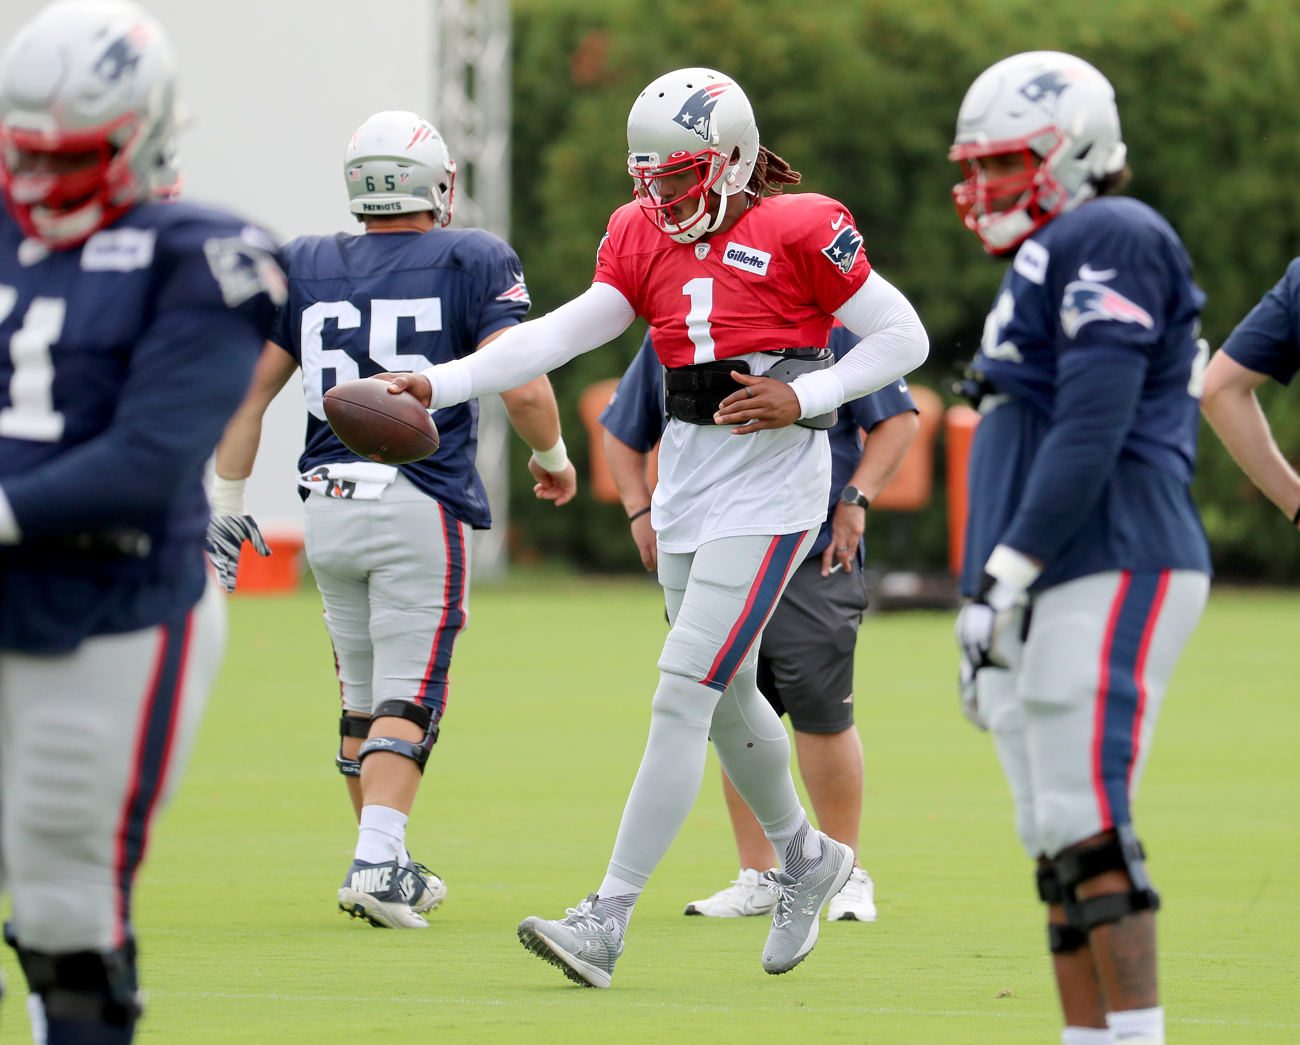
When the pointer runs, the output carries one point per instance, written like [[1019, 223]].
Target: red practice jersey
[[772, 281]]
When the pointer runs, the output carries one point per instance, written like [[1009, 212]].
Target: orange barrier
[[959, 432], [281, 571], [593, 400], [910, 490]]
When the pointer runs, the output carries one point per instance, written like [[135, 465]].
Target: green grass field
[[242, 943]]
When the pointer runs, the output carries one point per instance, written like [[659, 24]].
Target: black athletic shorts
[[805, 661]]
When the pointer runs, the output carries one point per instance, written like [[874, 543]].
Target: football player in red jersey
[[740, 287]]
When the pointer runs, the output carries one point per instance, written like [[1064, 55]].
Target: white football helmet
[[85, 80], [397, 163], [691, 119], [1059, 114]]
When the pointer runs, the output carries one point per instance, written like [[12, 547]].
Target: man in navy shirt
[[1085, 558], [130, 329], [805, 658], [1265, 344], [387, 545]]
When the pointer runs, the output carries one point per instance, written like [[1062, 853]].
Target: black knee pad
[[351, 725], [417, 713], [1061, 939], [85, 986], [1122, 853]]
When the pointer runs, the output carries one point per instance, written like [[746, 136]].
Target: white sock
[[799, 848], [1138, 1025], [618, 896], [382, 836], [1087, 1036]]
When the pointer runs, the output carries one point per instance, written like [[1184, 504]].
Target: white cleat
[[856, 902], [747, 897]]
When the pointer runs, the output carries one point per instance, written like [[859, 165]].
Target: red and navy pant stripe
[[759, 604], [433, 689], [150, 760], [1121, 690]]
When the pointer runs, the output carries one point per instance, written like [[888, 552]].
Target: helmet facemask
[[1038, 195], [709, 167], [63, 208]]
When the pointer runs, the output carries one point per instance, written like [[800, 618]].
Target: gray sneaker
[[381, 894], [584, 946], [799, 905]]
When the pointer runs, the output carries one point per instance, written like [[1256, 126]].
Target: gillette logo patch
[[747, 259]]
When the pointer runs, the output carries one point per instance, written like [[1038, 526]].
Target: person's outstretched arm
[[524, 352]]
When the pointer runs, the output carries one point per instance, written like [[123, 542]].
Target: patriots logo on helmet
[[1086, 303], [518, 292], [1045, 88], [843, 249], [119, 57], [695, 111]]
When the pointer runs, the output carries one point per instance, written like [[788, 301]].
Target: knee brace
[[351, 725], [421, 716], [86, 986], [1061, 939], [1122, 853]]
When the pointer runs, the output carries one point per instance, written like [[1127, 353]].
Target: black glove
[[226, 535]]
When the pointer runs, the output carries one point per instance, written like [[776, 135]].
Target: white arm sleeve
[[530, 349], [893, 343]]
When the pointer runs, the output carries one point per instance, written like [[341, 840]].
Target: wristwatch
[[852, 495]]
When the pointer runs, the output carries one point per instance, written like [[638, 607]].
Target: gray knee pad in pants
[[754, 749]]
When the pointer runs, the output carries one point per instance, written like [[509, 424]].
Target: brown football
[[379, 426]]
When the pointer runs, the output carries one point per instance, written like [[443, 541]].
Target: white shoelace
[[784, 888], [584, 918]]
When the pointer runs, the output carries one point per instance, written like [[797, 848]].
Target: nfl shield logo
[[701, 251], [404, 177]]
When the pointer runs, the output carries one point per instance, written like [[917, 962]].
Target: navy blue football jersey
[[1092, 349], [635, 416], [1268, 339], [399, 302], [120, 363]]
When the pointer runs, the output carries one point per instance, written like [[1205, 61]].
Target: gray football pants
[[92, 743], [719, 598], [394, 577], [1074, 714]]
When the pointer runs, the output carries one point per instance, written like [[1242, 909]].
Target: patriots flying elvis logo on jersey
[[694, 113], [1086, 303], [843, 249], [518, 292]]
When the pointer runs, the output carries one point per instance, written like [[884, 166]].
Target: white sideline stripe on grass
[[692, 1008]]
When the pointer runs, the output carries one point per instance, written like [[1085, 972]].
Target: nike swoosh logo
[[1091, 275], [837, 222]]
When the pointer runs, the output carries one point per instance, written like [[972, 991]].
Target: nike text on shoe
[[382, 894], [426, 889], [748, 895], [584, 946], [799, 905], [856, 902]]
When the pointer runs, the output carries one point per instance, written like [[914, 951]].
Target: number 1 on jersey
[[30, 413], [698, 327]]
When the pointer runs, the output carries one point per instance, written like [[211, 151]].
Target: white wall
[[274, 90]]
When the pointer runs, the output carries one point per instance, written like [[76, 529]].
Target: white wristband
[[1012, 567], [9, 532], [228, 496], [554, 460]]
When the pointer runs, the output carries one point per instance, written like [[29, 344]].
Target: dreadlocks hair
[[770, 174]]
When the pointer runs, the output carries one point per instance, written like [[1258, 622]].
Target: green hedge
[[861, 97]]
